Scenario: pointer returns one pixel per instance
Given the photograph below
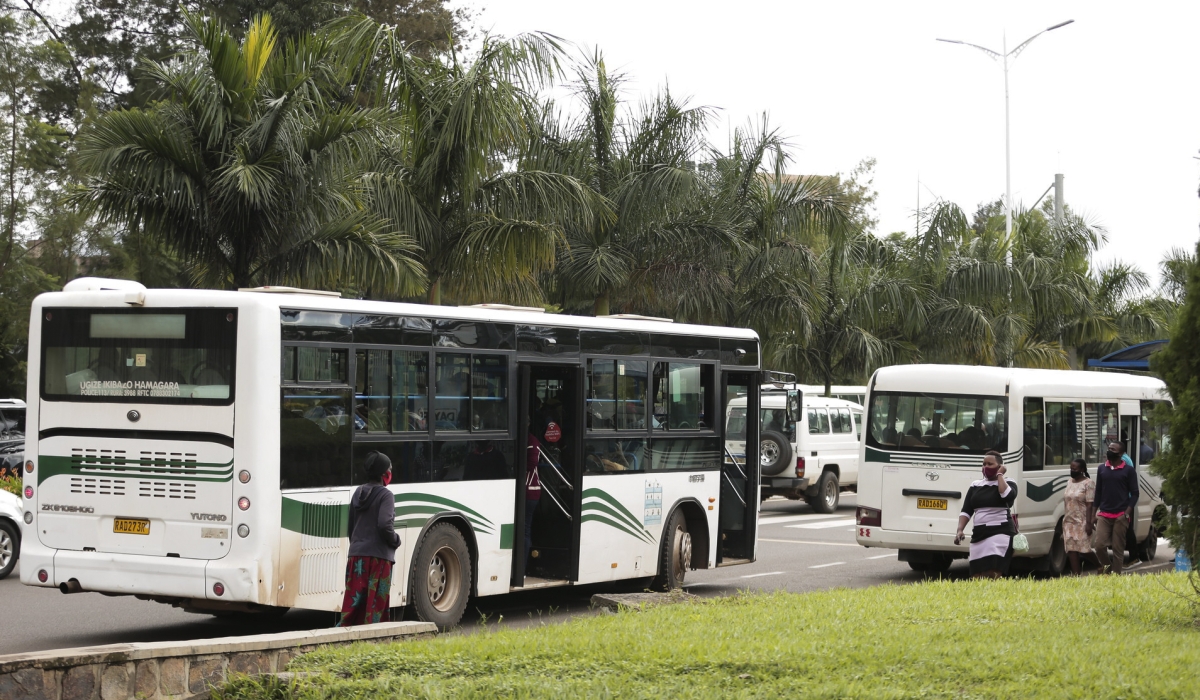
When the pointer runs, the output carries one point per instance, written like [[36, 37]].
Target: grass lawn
[[1091, 637]]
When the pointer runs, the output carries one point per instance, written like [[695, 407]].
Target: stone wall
[[173, 670]]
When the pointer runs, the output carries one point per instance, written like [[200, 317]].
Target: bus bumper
[[926, 541]]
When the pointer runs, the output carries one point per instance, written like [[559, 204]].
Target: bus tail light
[[244, 503], [218, 589], [244, 476], [799, 467], [29, 466], [871, 517], [243, 530], [28, 492], [43, 576], [28, 517]]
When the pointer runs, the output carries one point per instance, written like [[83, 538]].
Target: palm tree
[[250, 169], [641, 164], [486, 228]]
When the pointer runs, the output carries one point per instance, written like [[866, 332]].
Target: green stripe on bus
[[506, 535], [430, 498], [596, 506], [315, 519], [484, 527], [56, 465], [604, 496], [1043, 492], [601, 518], [874, 455]]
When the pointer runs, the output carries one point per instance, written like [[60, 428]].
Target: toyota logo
[[932, 476]]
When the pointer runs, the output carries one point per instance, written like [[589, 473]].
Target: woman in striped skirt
[[989, 501]]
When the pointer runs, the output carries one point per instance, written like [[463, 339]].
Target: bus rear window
[[937, 422], [139, 356]]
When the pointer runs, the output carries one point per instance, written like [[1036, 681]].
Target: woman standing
[[1078, 521], [373, 543], [989, 501]]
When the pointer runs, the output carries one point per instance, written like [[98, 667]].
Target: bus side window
[[1034, 436], [1063, 433]]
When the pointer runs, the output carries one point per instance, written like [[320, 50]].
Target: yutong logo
[[209, 516], [67, 509]]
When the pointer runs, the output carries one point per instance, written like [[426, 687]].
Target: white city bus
[[199, 448], [928, 427]]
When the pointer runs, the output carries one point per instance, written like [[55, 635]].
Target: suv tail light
[[799, 467], [872, 517]]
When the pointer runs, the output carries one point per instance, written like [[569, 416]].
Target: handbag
[[1020, 543]]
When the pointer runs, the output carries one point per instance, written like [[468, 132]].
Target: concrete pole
[[1058, 198]]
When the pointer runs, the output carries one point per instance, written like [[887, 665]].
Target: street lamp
[[1003, 57]]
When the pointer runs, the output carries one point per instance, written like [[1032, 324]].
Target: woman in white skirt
[[989, 501]]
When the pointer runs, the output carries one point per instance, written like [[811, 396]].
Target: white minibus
[[928, 427]]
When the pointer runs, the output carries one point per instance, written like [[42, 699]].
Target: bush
[[11, 483]]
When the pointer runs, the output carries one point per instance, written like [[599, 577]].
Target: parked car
[[10, 532], [12, 436], [808, 447]]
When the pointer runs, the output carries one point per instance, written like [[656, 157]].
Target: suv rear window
[[178, 356]]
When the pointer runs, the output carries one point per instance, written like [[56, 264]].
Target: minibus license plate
[[131, 526], [932, 503]]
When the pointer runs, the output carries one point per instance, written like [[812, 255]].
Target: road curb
[[174, 670]]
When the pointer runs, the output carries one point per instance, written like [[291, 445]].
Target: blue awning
[[1134, 357]]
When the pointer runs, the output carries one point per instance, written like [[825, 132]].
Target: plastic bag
[[1020, 543]]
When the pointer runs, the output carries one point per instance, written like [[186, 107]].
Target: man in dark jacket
[[373, 543], [1116, 494]]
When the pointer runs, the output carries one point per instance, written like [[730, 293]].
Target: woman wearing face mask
[[373, 543], [989, 502], [1078, 500]]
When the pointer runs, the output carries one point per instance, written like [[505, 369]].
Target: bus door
[[737, 521], [550, 411]]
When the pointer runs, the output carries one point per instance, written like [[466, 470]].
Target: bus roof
[[317, 302], [997, 381]]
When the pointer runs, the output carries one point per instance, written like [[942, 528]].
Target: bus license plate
[[131, 526], [932, 503]]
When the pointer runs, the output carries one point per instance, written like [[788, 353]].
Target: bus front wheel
[[441, 578]]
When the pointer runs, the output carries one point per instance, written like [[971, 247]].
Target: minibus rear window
[[937, 422]]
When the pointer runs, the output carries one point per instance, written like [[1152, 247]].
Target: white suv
[[808, 447]]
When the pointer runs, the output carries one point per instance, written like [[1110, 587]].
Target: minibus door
[[737, 521]]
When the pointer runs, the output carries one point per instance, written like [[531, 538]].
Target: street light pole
[[1003, 55]]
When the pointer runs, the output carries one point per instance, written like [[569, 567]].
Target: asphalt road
[[799, 550]]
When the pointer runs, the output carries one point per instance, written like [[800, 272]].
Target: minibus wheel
[[1148, 547], [441, 576], [9, 548]]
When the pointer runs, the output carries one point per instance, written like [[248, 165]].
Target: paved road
[[799, 550]]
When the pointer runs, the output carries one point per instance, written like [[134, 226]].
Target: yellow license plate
[[932, 503], [131, 526]]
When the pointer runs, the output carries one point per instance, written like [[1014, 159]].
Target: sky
[[1110, 101]]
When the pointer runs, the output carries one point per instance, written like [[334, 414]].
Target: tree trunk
[[435, 292], [601, 305]]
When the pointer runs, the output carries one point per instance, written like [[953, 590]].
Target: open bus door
[[550, 401], [737, 522]]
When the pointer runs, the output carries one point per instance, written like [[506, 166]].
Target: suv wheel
[[828, 493]]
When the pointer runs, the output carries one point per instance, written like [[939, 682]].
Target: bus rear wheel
[[441, 577], [676, 555]]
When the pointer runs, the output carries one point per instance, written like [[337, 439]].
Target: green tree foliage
[[486, 230], [250, 169], [1179, 366], [641, 165]]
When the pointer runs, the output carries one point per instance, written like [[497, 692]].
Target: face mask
[[1113, 456], [1076, 474], [387, 477], [990, 473]]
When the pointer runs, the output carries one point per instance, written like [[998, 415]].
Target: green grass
[[1094, 637]]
